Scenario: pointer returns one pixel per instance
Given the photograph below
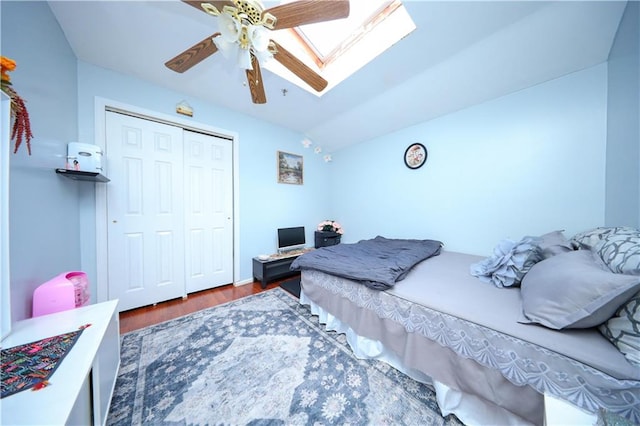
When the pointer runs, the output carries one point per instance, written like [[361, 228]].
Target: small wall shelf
[[80, 175]]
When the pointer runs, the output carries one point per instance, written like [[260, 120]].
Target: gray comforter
[[377, 263]]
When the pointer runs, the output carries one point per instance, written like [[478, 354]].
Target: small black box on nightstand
[[326, 239]]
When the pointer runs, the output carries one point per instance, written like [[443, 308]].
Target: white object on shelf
[[82, 386], [84, 157]]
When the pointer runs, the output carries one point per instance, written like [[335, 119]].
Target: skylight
[[337, 49]]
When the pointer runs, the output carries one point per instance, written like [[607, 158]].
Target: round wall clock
[[415, 155]]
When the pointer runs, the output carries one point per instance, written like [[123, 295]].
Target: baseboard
[[243, 282]]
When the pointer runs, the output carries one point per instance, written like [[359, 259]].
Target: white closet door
[[145, 211], [208, 199]]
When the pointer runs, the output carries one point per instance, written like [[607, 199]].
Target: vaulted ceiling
[[461, 54]]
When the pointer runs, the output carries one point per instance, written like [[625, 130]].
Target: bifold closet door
[[145, 211], [208, 200]]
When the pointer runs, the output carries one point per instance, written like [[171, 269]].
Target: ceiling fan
[[244, 33]]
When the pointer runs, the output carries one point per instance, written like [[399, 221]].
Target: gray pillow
[[572, 290], [554, 243], [623, 329]]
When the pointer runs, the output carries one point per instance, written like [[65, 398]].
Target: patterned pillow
[[589, 239], [620, 252], [623, 329], [510, 262]]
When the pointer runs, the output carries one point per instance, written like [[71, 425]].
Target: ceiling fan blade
[[218, 4], [193, 55], [308, 12], [299, 68], [256, 86]]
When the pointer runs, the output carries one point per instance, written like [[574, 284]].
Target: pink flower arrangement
[[330, 226]]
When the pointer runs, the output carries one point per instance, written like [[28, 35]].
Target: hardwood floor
[[149, 315]]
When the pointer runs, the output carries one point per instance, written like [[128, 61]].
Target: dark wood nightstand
[[273, 268]]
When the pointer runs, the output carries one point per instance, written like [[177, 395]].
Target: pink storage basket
[[68, 290]]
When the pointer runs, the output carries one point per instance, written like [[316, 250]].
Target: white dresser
[[80, 389]]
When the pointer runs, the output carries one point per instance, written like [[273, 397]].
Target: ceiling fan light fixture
[[261, 44], [243, 37], [263, 57], [259, 38], [226, 47], [230, 28], [244, 59], [239, 40]]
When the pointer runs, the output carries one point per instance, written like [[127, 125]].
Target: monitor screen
[[291, 238]]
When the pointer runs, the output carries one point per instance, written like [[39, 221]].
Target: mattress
[[430, 285], [439, 306]]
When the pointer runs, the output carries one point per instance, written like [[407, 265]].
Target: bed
[[469, 338]]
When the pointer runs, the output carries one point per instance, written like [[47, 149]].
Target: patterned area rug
[[263, 359]]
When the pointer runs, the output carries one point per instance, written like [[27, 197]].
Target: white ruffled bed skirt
[[470, 409]]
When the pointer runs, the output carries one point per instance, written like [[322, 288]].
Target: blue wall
[[527, 163], [52, 219], [623, 136], [264, 204], [43, 207]]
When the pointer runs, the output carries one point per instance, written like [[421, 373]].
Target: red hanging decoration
[[21, 130]]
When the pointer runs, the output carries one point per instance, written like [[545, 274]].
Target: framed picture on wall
[[290, 168]]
